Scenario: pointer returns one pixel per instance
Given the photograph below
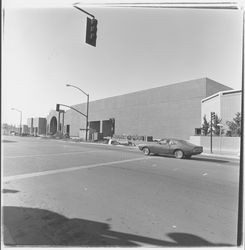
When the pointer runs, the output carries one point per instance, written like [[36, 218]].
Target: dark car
[[178, 148]]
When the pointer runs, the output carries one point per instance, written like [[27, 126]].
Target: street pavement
[[59, 193]]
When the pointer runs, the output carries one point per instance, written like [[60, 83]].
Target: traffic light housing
[[57, 107], [212, 115], [91, 31]]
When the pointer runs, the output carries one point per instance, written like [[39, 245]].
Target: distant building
[[39, 126], [30, 126], [168, 111], [7, 129], [53, 119], [25, 130]]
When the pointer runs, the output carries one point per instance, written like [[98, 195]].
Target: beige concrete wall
[[167, 111], [223, 144], [224, 104], [39, 125], [212, 86], [230, 105], [211, 105]]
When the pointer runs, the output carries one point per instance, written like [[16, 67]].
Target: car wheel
[[146, 151], [178, 154]]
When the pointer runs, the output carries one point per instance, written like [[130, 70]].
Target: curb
[[235, 157], [106, 145], [221, 156]]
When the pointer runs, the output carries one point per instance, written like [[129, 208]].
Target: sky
[[137, 48]]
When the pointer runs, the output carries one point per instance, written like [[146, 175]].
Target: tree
[[216, 127], [235, 125], [205, 125]]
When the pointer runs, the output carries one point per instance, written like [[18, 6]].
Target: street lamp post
[[70, 85], [20, 118]]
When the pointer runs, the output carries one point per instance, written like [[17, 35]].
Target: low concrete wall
[[223, 144]]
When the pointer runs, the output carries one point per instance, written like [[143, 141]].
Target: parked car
[[119, 142], [178, 148], [13, 133]]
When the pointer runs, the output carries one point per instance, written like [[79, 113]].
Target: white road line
[[56, 154], [57, 171]]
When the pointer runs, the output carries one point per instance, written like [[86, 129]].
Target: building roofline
[[154, 88], [225, 92], [231, 91]]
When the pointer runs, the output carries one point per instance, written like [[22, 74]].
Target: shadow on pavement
[[194, 158], [39, 227], [8, 141], [208, 159], [11, 191]]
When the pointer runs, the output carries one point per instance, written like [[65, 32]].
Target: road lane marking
[[56, 154], [57, 171]]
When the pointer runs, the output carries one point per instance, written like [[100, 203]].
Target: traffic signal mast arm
[[84, 11], [57, 107], [91, 29]]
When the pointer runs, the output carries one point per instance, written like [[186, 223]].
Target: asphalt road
[[78, 194]]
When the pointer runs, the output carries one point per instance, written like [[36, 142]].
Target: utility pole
[[20, 119], [58, 109], [211, 132]]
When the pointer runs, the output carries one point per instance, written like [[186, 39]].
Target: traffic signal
[[91, 31], [57, 107], [212, 115]]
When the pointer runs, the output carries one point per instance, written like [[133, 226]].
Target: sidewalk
[[230, 155]]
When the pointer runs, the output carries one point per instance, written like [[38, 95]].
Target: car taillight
[[197, 149]]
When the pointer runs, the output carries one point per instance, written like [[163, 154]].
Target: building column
[[58, 124], [101, 126], [63, 121]]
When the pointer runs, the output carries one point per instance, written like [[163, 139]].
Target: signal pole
[[211, 132]]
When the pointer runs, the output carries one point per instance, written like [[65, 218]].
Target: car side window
[[172, 142], [163, 142]]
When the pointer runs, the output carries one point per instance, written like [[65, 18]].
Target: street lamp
[[20, 117], [70, 85]]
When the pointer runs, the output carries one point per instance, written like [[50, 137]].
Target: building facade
[[168, 111], [225, 104], [30, 126], [37, 126]]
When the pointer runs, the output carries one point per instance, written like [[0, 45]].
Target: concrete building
[[39, 126], [55, 122], [30, 126], [7, 129], [226, 104], [168, 111], [25, 130]]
